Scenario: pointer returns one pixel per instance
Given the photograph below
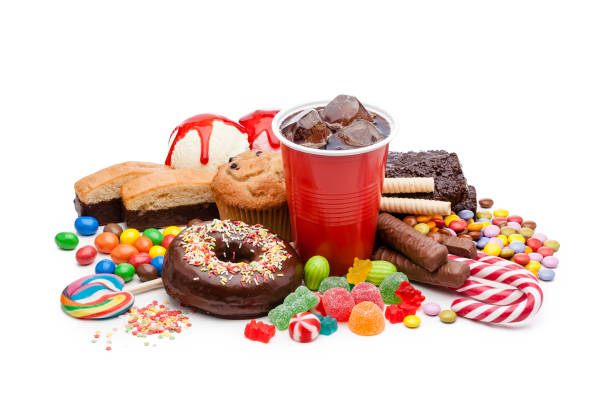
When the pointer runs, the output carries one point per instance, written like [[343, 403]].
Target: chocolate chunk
[[462, 247], [452, 274], [468, 201], [420, 249]]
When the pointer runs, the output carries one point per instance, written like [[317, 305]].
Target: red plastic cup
[[334, 195]]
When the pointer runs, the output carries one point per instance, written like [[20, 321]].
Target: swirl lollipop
[[96, 297]]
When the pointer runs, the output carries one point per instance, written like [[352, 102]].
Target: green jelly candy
[[298, 306], [380, 270], [67, 240], [334, 282], [292, 297], [154, 235], [315, 270], [389, 285], [280, 316], [125, 271], [311, 300]]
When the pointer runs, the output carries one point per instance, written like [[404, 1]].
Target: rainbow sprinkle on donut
[[200, 251]]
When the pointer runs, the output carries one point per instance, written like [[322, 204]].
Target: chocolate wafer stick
[[421, 250], [452, 274], [462, 247]]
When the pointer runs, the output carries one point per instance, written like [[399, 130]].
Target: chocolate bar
[[421, 250], [462, 247]]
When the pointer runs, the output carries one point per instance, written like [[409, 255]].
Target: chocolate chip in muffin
[[234, 166]]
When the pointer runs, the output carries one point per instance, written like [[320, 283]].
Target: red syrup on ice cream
[[255, 124]]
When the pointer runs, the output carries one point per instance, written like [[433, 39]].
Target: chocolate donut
[[230, 269]]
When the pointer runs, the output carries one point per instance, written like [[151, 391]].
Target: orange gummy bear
[[366, 319], [359, 271]]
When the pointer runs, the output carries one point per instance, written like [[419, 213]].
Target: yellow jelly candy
[[504, 239], [422, 228], [516, 237], [492, 249], [412, 321], [501, 213], [173, 230], [449, 218], [359, 271], [129, 236], [157, 250]]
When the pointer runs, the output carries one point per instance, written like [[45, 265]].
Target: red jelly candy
[[409, 294], [259, 331], [394, 314]]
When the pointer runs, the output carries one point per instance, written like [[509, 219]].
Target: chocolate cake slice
[[169, 197], [99, 194], [468, 201], [444, 167]]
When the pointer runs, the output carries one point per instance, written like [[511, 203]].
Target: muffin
[[250, 187]]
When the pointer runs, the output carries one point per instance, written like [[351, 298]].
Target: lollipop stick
[[147, 286]]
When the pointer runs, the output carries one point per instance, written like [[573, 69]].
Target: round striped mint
[[304, 327], [319, 307]]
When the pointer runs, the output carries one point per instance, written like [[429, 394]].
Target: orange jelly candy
[[143, 244], [106, 242], [366, 319], [122, 253]]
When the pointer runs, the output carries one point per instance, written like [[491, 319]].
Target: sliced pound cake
[[99, 194], [170, 197]]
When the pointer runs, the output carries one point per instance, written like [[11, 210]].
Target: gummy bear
[[389, 285], [359, 271], [338, 304], [297, 302], [334, 282], [280, 316], [410, 296], [329, 325], [259, 331], [367, 291], [395, 314], [366, 319]]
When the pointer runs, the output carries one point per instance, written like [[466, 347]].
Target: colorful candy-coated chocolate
[[475, 226], [529, 224], [484, 214], [521, 259], [423, 218], [86, 255], [410, 220], [97, 296], [506, 252], [485, 202], [146, 272], [536, 256], [534, 243], [516, 246], [484, 221], [507, 231], [497, 241], [431, 309], [139, 259], [172, 230], [503, 239], [526, 232], [129, 236], [501, 213], [533, 266], [546, 274], [167, 240], [458, 225], [113, 228], [545, 251], [491, 231], [106, 242], [528, 250], [542, 237], [412, 321], [499, 221], [516, 238], [86, 225], [465, 214], [552, 244], [125, 271], [482, 242], [105, 266], [315, 270], [492, 248], [515, 218], [550, 262], [422, 228], [143, 244], [514, 225], [450, 218], [66, 240], [447, 316], [157, 250], [122, 253], [157, 263], [154, 235]]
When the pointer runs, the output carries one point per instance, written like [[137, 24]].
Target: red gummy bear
[[411, 301], [259, 331]]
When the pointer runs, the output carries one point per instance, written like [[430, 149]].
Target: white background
[[520, 90]]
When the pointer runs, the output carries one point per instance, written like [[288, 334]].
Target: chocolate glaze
[[104, 211], [179, 215], [191, 286]]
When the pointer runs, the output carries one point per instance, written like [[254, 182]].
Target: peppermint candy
[[304, 327]]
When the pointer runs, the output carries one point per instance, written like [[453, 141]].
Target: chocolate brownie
[[444, 167]]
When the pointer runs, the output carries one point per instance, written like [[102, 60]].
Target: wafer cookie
[[414, 206], [408, 185]]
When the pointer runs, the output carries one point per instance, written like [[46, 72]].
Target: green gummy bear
[[389, 285], [334, 282], [280, 316]]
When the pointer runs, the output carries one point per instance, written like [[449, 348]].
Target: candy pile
[[156, 319], [497, 233], [131, 252]]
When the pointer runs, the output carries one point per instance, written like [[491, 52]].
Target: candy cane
[[503, 305]]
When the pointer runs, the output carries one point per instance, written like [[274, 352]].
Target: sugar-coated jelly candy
[[154, 235], [318, 308], [409, 295], [447, 316], [304, 327], [106, 242], [366, 319], [105, 266], [66, 240], [259, 331], [157, 263], [280, 316], [86, 255], [129, 236], [389, 285], [334, 282], [329, 325], [86, 225], [125, 271], [412, 321], [338, 303], [366, 291]]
